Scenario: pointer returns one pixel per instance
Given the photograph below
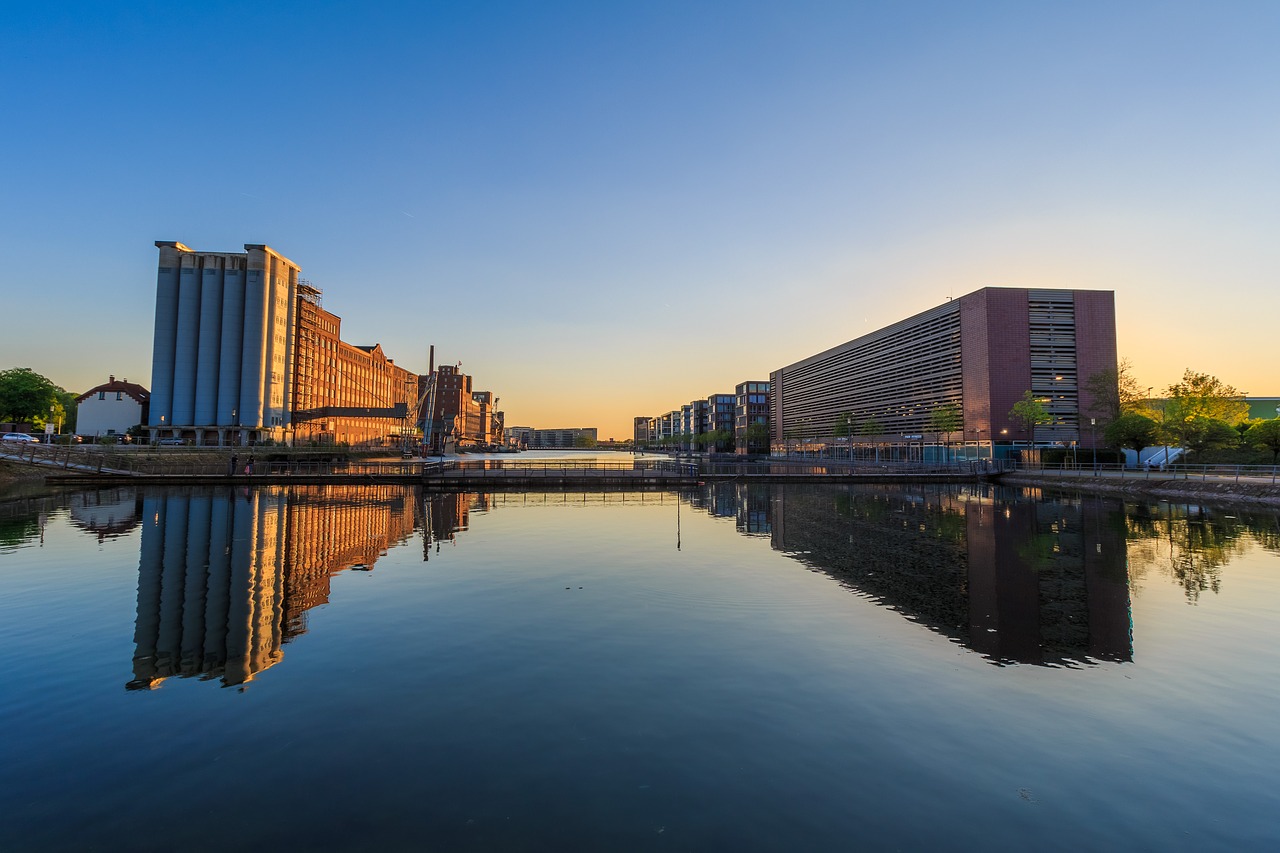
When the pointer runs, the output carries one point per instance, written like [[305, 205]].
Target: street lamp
[[1093, 442]]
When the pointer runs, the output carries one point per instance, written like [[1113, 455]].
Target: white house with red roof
[[112, 408]]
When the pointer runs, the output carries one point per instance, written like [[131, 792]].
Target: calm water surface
[[730, 668]]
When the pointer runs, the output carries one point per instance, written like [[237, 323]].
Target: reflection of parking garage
[[1015, 580]]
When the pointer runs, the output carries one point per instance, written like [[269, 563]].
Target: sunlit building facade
[[977, 354], [245, 353]]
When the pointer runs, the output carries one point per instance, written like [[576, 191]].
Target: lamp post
[[1093, 443]]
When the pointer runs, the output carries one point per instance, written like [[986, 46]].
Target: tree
[[946, 420], [67, 415], [584, 441], [26, 395], [1132, 430], [757, 434], [1200, 395], [1030, 412], [872, 427], [1112, 393], [1265, 435], [1200, 433]]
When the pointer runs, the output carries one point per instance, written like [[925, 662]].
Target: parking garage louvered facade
[[979, 354]]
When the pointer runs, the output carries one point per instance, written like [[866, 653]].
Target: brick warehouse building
[[978, 353], [244, 353]]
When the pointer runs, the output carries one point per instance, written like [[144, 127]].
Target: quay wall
[[1198, 491]]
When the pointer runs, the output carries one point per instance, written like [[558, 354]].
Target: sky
[[605, 210]]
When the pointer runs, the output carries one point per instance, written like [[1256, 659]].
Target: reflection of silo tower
[[210, 588], [225, 578]]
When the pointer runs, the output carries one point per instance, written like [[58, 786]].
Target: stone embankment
[[1221, 490], [13, 472]]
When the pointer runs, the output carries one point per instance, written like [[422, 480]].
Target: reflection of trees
[[15, 531], [1191, 544]]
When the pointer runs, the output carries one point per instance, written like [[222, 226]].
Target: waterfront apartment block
[[244, 353], [751, 418], [643, 431], [979, 354], [691, 426]]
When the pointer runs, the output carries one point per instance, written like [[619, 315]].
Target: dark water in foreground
[[734, 668]]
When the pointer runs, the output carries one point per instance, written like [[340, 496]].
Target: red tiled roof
[[133, 389]]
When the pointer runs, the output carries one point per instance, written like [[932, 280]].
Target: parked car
[[170, 442], [19, 436]]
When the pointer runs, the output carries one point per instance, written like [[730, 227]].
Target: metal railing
[[200, 462]]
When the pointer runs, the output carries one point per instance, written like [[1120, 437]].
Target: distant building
[[978, 354], [642, 431], [112, 408], [1266, 408], [553, 439]]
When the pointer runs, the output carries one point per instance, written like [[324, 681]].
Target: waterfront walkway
[[94, 465]]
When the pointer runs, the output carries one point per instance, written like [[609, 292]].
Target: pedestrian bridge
[[99, 465]]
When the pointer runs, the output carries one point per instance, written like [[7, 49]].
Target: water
[[731, 668]]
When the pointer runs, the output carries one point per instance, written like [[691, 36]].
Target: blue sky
[[608, 209]]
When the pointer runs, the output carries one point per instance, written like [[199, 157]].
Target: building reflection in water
[[106, 513], [1015, 579], [226, 578]]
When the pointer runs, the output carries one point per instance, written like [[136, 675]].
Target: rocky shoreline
[[1199, 491]]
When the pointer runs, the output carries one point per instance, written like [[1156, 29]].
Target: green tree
[[1030, 412], [67, 414], [945, 421], [871, 426], [1200, 433], [1132, 430], [584, 441], [1112, 393], [757, 436], [27, 396], [1265, 435], [1200, 395]]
